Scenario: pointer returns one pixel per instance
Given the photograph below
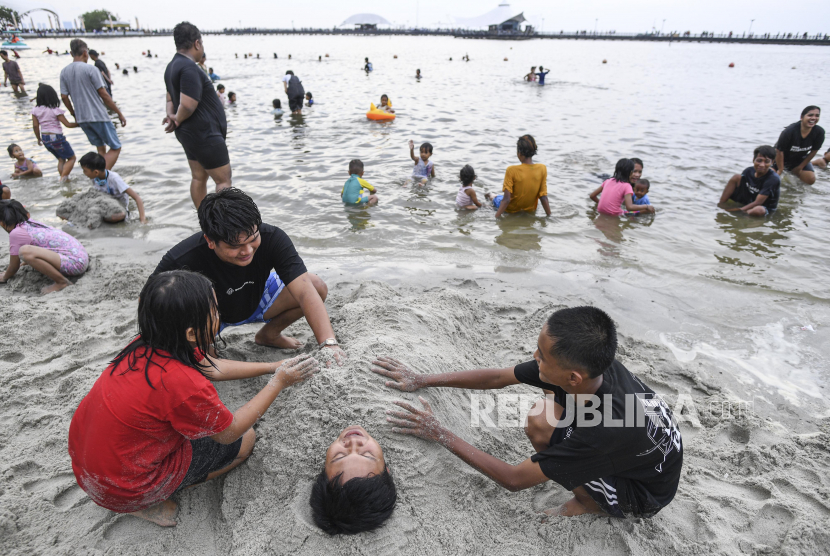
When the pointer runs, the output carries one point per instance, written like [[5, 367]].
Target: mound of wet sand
[[750, 485], [89, 209]]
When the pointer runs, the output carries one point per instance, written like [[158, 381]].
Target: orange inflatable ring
[[379, 115]]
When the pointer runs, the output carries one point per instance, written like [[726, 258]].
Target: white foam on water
[[772, 359]]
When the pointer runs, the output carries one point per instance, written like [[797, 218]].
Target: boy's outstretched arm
[[404, 379], [139, 203], [423, 424], [412, 151]]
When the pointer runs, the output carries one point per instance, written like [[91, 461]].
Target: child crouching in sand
[[356, 190], [466, 197], [53, 253], [153, 424], [107, 181]]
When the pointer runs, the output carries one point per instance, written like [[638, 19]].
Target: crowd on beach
[[134, 445]]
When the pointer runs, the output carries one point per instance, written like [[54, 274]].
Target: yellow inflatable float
[[377, 114]]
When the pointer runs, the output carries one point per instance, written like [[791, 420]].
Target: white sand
[[750, 485]]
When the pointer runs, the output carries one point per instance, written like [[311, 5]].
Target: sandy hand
[[333, 352], [403, 379], [295, 370], [416, 422]]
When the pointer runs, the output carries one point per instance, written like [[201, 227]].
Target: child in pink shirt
[[47, 118], [617, 192]]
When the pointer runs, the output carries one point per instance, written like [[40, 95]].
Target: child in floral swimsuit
[[51, 252]]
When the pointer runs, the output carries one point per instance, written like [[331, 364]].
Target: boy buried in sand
[[356, 190], [153, 424], [757, 187], [621, 456], [107, 181], [354, 492]]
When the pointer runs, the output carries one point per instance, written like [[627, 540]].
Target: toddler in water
[[107, 181], [356, 190], [47, 118], [617, 192], [424, 169], [641, 192], [466, 197], [220, 91], [277, 111], [385, 104], [309, 99], [231, 98], [23, 167]]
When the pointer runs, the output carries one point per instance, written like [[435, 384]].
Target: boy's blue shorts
[[273, 288], [57, 144], [497, 200]]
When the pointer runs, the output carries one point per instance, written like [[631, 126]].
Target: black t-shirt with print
[[645, 460], [183, 76], [238, 288], [795, 147], [750, 187]]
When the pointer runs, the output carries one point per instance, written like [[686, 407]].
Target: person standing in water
[[295, 91], [798, 144], [196, 115], [368, 67], [532, 75], [11, 73], [85, 96], [542, 73], [102, 67]]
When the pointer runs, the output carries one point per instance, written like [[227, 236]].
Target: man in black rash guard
[[240, 255], [196, 114], [622, 454], [798, 144]]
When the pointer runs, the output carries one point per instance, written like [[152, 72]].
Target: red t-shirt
[[129, 442]]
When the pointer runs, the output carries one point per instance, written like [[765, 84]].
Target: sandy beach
[[754, 482]]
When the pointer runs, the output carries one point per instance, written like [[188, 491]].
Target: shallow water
[[694, 277]]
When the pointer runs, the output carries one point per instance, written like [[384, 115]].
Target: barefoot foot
[[56, 287], [162, 514], [280, 342]]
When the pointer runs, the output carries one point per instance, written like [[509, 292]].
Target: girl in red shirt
[[153, 423]]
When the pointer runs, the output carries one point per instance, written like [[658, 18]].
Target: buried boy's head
[[354, 492], [576, 346]]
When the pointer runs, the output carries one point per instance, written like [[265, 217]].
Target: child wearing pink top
[[47, 118], [617, 192], [51, 252]]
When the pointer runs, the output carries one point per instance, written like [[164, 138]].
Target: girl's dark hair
[[357, 505], [526, 146], [622, 172], [426, 147], [381, 97], [47, 96], [226, 214], [11, 147], [220, 87], [308, 94], [169, 304], [637, 161], [808, 109], [276, 102], [468, 175], [12, 212]]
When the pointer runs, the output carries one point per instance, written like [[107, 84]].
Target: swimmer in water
[[532, 75], [637, 173], [757, 188], [385, 104], [354, 492]]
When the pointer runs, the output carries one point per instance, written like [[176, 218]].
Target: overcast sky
[[629, 16]]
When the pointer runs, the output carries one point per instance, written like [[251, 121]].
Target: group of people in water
[[135, 443]]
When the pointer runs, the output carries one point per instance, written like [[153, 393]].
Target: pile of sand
[[749, 485], [89, 208]]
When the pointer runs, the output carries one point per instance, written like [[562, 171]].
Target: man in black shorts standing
[[196, 114], [257, 275]]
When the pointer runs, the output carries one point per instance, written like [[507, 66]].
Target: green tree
[[94, 20], [7, 16]]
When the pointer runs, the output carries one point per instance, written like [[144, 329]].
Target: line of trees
[[7, 17], [94, 20]]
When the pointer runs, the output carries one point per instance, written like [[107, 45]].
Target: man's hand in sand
[[402, 378], [294, 370], [417, 422]]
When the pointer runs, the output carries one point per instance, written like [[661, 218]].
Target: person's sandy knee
[[320, 286], [248, 442]]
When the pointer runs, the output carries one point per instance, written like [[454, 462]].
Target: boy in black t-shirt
[[757, 187], [599, 432]]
